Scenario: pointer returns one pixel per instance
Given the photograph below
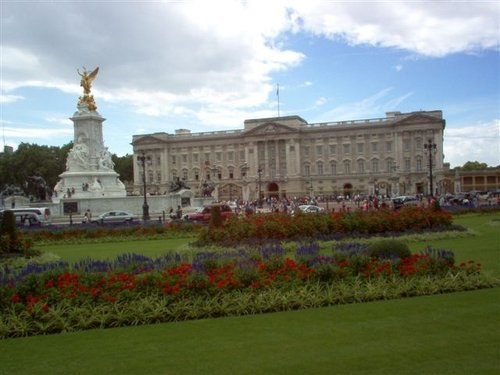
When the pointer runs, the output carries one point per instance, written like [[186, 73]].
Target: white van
[[41, 214]]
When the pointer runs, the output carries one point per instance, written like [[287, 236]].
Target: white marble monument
[[89, 168]]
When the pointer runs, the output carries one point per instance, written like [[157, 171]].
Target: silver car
[[310, 208], [115, 217]]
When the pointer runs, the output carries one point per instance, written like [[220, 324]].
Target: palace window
[[307, 170], [407, 164], [419, 164], [333, 168], [319, 150], [390, 166], [361, 166], [418, 144], [347, 167], [406, 145], [375, 165], [320, 168]]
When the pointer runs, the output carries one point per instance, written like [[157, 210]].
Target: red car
[[203, 214]]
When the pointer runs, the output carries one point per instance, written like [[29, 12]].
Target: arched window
[[333, 168], [347, 166], [361, 166], [320, 168], [419, 164]]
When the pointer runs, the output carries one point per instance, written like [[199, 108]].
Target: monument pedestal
[[89, 168]]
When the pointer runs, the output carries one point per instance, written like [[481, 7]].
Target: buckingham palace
[[289, 157]]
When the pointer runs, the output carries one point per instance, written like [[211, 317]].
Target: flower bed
[[336, 225], [112, 232], [136, 289]]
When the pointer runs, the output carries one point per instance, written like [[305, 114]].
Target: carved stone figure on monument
[[178, 185], [78, 157], [96, 184], [105, 161]]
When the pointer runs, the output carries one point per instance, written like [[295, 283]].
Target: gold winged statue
[[86, 82]]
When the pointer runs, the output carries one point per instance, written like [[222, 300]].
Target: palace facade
[[287, 156]]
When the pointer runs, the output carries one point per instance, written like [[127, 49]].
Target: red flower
[[15, 298], [255, 284]]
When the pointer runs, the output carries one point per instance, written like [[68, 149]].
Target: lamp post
[[259, 172], [430, 148], [142, 160]]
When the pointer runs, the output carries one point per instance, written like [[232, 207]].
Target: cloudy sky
[[209, 65]]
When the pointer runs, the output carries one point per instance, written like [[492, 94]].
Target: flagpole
[[278, 95]]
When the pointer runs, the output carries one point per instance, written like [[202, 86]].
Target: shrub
[[215, 217], [8, 228], [388, 249]]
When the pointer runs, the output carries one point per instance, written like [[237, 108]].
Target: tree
[[473, 166], [124, 167], [33, 160], [47, 162]]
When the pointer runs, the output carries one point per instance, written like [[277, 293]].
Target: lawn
[[151, 248], [442, 334], [483, 248]]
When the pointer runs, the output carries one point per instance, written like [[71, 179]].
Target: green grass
[[443, 334], [151, 248], [483, 248], [455, 333]]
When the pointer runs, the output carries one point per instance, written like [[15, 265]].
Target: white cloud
[[59, 120], [480, 141], [427, 28], [320, 101], [212, 63], [35, 133], [10, 98], [171, 57]]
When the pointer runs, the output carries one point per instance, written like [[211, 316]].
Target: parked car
[[203, 214], [310, 208], [27, 219], [42, 214], [404, 200], [115, 217]]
